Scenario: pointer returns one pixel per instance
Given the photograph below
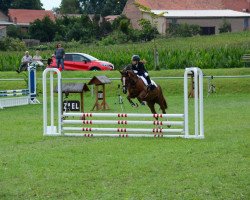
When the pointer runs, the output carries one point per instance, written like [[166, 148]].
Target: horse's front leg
[[131, 102]]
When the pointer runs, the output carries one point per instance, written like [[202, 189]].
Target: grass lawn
[[37, 167]]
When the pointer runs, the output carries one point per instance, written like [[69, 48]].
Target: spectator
[[37, 57], [60, 54], [37, 60], [25, 62], [50, 60]]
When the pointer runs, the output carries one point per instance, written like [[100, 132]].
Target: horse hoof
[[135, 105]]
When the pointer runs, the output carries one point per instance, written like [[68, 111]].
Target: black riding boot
[[150, 85]]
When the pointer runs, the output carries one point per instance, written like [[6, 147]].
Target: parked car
[[82, 61]]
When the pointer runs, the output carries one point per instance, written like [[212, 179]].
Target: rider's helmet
[[135, 58]]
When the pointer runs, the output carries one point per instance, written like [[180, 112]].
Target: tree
[[70, 7], [148, 31], [43, 30], [103, 7], [153, 22], [14, 31], [225, 27], [20, 4], [5, 5], [27, 4]]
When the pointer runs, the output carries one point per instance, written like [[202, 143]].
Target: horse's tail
[[162, 98]]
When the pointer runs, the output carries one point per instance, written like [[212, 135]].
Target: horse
[[137, 89]]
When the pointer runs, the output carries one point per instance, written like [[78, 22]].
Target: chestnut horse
[[137, 89]]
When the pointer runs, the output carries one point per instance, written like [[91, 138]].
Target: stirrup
[[151, 87]]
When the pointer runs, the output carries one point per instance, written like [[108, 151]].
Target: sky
[[49, 4]]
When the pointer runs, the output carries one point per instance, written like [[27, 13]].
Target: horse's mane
[[128, 67]]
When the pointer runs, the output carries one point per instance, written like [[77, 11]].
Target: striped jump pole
[[82, 126], [124, 122], [20, 97], [123, 115], [14, 91], [13, 94]]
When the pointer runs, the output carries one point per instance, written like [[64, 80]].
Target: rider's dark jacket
[[140, 68]]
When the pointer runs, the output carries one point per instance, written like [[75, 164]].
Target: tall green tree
[[43, 30], [70, 7], [20, 4], [5, 5], [103, 7], [27, 4]]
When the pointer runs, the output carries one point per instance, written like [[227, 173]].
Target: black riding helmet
[[135, 58]]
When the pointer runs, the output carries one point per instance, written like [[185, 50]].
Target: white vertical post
[[44, 103], [196, 102], [201, 103], [51, 99], [59, 92], [186, 128]]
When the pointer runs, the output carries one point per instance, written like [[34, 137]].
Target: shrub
[[148, 32], [11, 44], [183, 30], [225, 27]]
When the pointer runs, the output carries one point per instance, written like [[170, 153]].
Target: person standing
[[60, 54], [25, 62]]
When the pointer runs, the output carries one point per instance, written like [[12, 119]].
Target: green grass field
[[37, 167]]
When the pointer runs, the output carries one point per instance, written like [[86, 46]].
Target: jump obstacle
[[20, 97], [82, 123]]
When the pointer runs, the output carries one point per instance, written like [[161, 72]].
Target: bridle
[[125, 81]]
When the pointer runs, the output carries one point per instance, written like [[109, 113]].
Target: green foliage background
[[218, 51]]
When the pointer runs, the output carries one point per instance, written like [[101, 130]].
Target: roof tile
[[24, 16]]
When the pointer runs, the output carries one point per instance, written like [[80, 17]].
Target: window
[[207, 30], [68, 57], [79, 58], [246, 23]]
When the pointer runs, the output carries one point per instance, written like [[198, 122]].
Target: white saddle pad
[[145, 81]]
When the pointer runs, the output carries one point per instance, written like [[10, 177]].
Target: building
[[111, 18], [4, 20], [23, 17], [208, 14], [3, 31]]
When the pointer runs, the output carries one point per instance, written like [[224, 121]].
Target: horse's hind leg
[[163, 108], [131, 102], [152, 108]]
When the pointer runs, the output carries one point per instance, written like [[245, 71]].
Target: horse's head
[[128, 77], [124, 80]]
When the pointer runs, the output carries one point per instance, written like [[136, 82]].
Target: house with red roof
[[208, 14], [23, 17]]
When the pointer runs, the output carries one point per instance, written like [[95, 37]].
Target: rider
[[139, 68]]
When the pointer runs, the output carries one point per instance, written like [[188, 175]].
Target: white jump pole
[[122, 115]]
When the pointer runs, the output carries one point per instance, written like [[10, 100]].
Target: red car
[[82, 61]]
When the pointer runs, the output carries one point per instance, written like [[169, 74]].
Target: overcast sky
[[49, 4]]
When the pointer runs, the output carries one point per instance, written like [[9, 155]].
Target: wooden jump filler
[[100, 92], [79, 88]]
